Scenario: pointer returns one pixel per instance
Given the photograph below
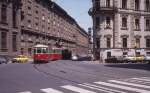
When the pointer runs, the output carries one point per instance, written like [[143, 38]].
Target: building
[[47, 23], [39, 22], [121, 27], [9, 27]]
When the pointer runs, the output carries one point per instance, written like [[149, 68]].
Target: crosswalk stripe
[[77, 89], [131, 84], [50, 90], [122, 87], [108, 90], [137, 81], [26, 92], [145, 77], [142, 79], [96, 88]]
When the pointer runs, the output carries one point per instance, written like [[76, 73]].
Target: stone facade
[[9, 27], [121, 27], [44, 22]]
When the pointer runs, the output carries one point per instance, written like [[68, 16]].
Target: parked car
[[75, 57], [140, 58], [111, 59], [147, 58], [3, 59], [20, 59]]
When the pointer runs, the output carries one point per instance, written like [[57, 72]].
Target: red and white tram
[[42, 53]]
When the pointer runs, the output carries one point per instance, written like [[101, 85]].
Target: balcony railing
[[103, 8]]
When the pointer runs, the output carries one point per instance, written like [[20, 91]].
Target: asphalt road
[[74, 77]]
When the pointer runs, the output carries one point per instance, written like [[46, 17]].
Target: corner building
[[121, 27]]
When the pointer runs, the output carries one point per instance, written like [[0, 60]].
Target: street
[[74, 77]]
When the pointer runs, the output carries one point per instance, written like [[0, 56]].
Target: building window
[[36, 11], [125, 53], [29, 23], [14, 42], [98, 43], [108, 43], [136, 4], [14, 12], [97, 22], [97, 5], [148, 43], [107, 3], [107, 22], [124, 4], [124, 42], [4, 14], [29, 8], [137, 43], [137, 24], [147, 24], [124, 22], [147, 5], [3, 41], [108, 54], [30, 51]]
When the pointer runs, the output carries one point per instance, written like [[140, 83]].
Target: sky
[[78, 9]]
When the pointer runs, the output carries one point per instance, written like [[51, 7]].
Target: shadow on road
[[131, 66]]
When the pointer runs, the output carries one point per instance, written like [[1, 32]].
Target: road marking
[[26, 92], [145, 77], [142, 79], [50, 90], [104, 89], [122, 87], [77, 89], [131, 84], [95, 88]]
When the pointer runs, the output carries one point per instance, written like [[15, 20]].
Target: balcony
[[102, 9]]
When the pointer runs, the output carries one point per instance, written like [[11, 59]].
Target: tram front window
[[39, 50]]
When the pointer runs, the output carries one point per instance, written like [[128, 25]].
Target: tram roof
[[40, 45]]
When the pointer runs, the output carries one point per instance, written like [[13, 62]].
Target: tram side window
[[58, 51], [45, 50], [50, 51], [34, 51]]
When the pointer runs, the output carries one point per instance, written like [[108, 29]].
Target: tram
[[42, 53]]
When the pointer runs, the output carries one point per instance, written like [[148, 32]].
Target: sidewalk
[[94, 62]]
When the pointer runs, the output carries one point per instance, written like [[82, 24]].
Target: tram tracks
[[54, 75], [68, 69]]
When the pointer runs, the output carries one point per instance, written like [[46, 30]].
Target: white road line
[[123, 87], [145, 77], [96, 88], [142, 79], [133, 80], [50, 90], [131, 84], [77, 89], [108, 90], [26, 92], [137, 81]]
